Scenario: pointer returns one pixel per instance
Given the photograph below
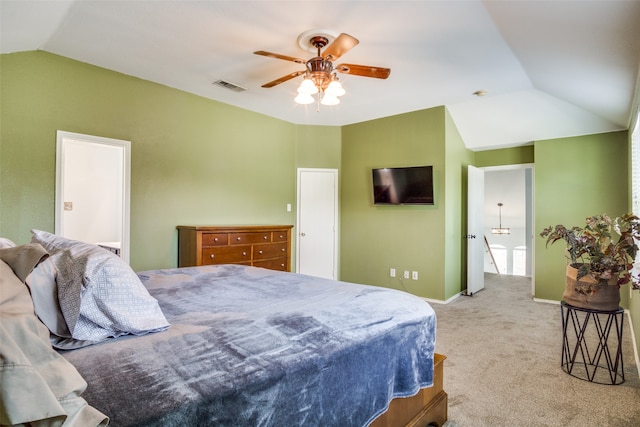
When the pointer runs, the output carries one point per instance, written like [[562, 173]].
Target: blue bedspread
[[255, 347]]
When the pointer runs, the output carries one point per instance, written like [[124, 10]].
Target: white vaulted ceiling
[[550, 68]]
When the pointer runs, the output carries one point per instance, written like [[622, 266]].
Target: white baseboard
[[633, 342], [439, 301], [548, 301]]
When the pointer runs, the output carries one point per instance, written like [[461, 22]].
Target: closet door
[[317, 237]]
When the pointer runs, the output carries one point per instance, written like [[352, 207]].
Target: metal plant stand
[[604, 365]]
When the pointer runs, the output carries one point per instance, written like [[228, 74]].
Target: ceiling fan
[[320, 70]]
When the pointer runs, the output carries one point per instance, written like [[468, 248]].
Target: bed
[[250, 346]]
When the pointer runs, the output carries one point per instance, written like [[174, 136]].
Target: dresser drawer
[[272, 264], [280, 236], [215, 239], [246, 238], [226, 255], [274, 250]]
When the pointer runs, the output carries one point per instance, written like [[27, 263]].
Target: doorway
[[511, 186], [317, 237], [490, 189], [92, 190]]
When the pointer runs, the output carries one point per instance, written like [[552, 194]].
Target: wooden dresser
[[267, 246]]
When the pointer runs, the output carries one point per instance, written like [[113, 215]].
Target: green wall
[[318, 146], [506, 156], [574, 178], [194, 161], [416, 238]]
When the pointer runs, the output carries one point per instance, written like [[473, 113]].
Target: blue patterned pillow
[[100, 296]]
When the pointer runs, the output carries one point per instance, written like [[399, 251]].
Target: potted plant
[[601, 257]]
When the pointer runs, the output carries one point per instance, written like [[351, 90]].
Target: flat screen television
[[403, 186]]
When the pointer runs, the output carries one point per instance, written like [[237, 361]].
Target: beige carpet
[[503, 364]]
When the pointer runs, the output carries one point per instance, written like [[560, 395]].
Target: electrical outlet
[[392, 272], [406, 274], [414, 275]]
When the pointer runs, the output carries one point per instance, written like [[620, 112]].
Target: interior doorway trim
[[63, 138]]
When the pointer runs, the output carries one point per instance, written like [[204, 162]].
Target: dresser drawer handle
[[281, 236], [265, 237], [282, 265], [212, 256], [215, 239], [260, 252], [244, 254], [238, 239]]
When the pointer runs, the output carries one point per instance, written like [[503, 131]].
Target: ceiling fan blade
[[278, 56], [284, 79], [364, 70], [340, 46]]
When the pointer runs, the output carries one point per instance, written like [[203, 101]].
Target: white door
[[475, 230], [317, 243], [92, 190]]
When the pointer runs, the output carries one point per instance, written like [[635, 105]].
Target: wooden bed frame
[[427, 408]]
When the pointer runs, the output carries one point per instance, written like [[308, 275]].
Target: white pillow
[[6, 243], [100, 296]]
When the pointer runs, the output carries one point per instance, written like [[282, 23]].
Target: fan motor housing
[[319, 70]]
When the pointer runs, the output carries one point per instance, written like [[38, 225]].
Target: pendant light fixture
[[500, 229]]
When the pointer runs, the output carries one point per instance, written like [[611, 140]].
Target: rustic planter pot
[[605, 298]]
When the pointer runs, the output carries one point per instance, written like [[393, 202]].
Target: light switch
[[288, 207], [68, 206]]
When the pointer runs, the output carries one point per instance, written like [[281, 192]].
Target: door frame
[[336, 233], [61, 138], [529, 212]]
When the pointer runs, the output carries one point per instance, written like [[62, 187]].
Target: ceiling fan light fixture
[[307, 87], [334, 89], [304, 98], [320, 74], [329, 99]]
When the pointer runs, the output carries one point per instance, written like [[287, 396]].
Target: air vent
[[230, 86]]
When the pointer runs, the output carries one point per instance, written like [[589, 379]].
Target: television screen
[[403, 186]]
